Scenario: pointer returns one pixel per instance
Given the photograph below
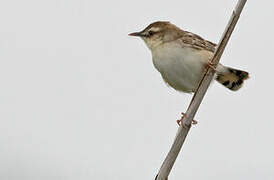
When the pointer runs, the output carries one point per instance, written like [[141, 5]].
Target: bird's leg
[[180, 121], [210, 65]]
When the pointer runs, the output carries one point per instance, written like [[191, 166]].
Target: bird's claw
[[211, 65], [180, 121]]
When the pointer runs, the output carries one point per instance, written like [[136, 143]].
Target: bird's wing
[[194, 41]]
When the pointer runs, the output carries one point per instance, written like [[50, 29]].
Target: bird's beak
[[136, 34]]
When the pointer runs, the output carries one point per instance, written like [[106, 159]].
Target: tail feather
[[232, 78]]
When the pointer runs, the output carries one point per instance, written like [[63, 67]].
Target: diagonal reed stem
[[198, 96]]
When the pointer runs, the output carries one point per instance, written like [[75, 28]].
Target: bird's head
[[158, 33]]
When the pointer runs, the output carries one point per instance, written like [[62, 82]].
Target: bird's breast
[[180, 67]]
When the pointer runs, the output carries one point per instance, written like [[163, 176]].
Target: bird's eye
[[150, 33]]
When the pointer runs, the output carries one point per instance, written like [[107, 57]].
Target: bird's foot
[[211, 66], [180, 121]]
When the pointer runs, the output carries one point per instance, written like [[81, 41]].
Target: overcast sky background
[[81, 100]]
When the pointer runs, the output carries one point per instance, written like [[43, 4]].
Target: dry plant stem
[[198, 96]]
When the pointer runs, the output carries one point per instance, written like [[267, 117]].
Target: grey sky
[[79, 99]]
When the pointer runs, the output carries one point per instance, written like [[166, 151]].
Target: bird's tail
[[231, 78]]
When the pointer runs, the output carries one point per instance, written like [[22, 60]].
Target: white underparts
[[181, 67]]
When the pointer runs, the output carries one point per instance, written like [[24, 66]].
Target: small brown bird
[[182, 56]]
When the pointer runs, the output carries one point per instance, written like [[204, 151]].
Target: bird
[[181, 57]]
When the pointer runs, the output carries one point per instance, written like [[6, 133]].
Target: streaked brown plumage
[[180, 56]]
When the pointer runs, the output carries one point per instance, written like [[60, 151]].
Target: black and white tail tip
[[233, 79]]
